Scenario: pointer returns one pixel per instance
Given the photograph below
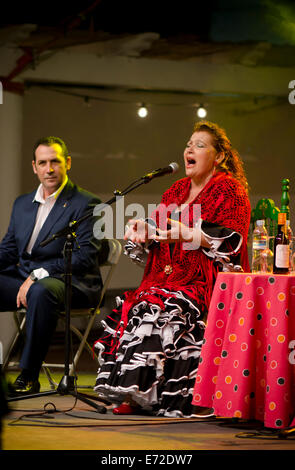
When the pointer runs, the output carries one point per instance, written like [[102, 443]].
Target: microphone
[[172, 168]]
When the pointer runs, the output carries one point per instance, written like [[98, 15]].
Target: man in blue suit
[[33, 276]]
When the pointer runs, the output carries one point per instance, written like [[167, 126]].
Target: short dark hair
[[50, 141]]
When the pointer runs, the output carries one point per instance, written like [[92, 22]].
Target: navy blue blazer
[[71, 204]]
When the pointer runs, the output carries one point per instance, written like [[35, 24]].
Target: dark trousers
[[45, 300]]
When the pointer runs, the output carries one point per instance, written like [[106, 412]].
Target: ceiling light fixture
[[201, 111], [142, 111]]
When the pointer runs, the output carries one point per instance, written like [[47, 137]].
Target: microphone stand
[[67, 383]]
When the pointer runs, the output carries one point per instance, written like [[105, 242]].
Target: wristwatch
[[33, 276]]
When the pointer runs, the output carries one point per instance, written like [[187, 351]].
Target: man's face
[[51, 167]]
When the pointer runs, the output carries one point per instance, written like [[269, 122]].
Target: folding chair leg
[[52, 384], [82, 344], [20, 326]]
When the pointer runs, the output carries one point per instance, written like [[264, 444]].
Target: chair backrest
[[115, 250]]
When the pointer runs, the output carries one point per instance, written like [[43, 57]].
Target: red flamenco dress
[[152, 341]]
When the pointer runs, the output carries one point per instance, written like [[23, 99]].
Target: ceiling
[[116, 16], [251, 32]]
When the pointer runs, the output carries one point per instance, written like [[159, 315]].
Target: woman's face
[[200, 157]]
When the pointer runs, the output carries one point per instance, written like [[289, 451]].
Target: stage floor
[[61, 423]]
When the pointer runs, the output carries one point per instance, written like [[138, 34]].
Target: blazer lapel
[[29, 216], [62, 203]]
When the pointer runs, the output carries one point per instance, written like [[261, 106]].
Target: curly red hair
[[232, 162]]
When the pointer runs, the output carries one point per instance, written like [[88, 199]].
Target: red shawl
[[223, 201]]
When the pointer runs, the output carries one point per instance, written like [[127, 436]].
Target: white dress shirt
[[45, 206]]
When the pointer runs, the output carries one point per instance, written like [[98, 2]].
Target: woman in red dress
[[152, 341]]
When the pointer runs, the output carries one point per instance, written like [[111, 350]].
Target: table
[[247, 363]]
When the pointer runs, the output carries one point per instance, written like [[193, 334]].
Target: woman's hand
[[179, 233], [137, 231]]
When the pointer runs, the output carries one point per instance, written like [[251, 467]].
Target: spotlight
[[201, 112], [142, 111]]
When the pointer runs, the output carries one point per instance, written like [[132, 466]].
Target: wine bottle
[[289, 235], [281, 247]]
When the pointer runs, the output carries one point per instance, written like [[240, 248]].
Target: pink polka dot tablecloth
[[247, 364]]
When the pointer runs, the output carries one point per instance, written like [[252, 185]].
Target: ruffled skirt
[[155, 360]]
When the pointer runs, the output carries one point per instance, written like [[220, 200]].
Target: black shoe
[[24, 386]]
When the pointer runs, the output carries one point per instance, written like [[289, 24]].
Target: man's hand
[[21, 298]]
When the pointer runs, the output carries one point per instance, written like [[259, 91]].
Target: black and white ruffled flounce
[[156, 359]]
